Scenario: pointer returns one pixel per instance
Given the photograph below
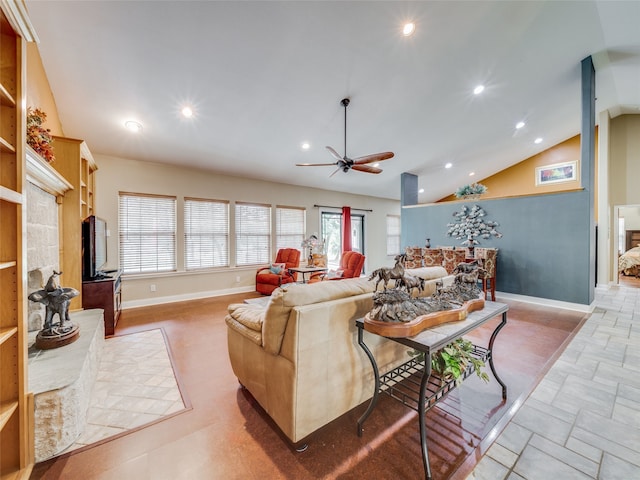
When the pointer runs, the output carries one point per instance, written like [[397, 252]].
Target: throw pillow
[[335, 273], [277, 268]]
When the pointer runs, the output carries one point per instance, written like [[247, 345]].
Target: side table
[[432, 389], [304, 270]]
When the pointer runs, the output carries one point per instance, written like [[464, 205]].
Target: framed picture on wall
[[556, 173]]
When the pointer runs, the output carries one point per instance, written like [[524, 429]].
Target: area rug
[[135, 387]]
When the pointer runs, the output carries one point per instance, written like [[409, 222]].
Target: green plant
[[451, 361], [470, 189]]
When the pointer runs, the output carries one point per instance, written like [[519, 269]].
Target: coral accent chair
[[267, 281], [351, 264], [488, 259]]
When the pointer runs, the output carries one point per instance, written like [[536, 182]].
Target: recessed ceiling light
[[519, 125], [408, 29], [538, 140], [479, 89], [305, 146], [133, 126], [448, 165], [471, 174], [421, 190], [187, 112]]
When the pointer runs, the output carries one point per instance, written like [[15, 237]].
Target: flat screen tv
[[94, 247]]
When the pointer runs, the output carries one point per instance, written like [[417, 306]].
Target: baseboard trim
[[547, 302], [147, 302]]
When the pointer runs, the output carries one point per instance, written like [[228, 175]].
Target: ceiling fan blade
[[335, 171], [334, 153], [375, 157], [367, 168], [314, 164]]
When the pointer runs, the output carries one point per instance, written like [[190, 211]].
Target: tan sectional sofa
[[299, 356]]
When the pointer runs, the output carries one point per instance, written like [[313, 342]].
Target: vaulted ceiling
[[264, 77]]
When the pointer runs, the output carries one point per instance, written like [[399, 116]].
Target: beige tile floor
[[135, 386]]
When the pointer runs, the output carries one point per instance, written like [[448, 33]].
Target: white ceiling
[[265, 76]]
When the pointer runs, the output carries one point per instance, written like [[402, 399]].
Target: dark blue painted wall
[[544, 251]]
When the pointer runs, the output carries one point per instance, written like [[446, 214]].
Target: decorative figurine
[[56, 299]]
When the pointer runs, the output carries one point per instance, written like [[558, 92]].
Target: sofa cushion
[[247, 320], [292, 295], [428, 273]]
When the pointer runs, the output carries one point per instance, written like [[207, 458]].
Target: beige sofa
[[299, 356]]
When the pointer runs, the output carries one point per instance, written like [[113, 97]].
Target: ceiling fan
[[345, 163]]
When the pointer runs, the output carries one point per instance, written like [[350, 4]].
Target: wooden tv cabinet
[[104, 293]]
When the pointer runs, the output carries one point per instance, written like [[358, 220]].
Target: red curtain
[[346, 229]]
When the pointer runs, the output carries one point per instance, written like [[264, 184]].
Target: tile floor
[[582, 421], [131, 390]]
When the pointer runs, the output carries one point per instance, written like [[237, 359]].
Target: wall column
[[587, 160]]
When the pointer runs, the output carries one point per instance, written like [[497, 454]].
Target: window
[[253, 234], [290, 227], [331, 233], [206, 233], [147, 229], [393, 234]]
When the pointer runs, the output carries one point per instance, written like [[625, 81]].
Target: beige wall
[[624, 154], [520, 179], [39, 93], [116, 174]]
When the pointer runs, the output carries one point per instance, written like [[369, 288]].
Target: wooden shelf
[[6, 410], [10, 264], [10, 195], [7, 333], [6, 98], [6, 146]]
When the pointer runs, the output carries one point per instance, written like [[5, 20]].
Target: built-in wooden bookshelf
[[76, 164], [16, 409]]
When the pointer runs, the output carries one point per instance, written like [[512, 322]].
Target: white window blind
[[290, 227], [147, 229], [253, 234], [206, 233], [393, 234]]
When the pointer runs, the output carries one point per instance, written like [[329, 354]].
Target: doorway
[[627, 246]]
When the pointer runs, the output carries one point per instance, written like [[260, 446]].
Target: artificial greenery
[[38, 137], [452, 360], [470, 189]]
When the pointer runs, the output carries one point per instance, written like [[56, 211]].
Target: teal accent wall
[[544, 252]]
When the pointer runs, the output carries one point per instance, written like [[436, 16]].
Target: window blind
[[206, 233], [290, 227], [147, 231], [253, 234], [393, 234]]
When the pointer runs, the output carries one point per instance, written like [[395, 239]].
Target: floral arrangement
[[471, 189], [38, 137]]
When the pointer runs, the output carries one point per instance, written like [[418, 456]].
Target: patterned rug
[[135, 387]]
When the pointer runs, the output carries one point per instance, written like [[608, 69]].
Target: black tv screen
[[94, 247]]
